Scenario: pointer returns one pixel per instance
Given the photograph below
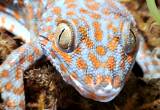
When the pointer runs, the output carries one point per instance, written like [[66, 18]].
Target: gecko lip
[[104, 94]]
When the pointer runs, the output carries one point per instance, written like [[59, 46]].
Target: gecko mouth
[[105, 94]]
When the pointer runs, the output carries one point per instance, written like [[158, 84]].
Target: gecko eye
[[131, 42], [64, 36]]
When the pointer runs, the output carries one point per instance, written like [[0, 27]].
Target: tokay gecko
[[90, 42]]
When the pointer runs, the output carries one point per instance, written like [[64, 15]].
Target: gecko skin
[[96, 64], [148, 59]]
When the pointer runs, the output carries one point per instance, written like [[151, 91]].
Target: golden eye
[[65, 37], [131, 42]]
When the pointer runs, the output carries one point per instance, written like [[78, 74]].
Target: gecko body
[[95, 60]]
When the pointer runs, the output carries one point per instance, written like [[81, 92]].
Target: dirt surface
[[45, 88]]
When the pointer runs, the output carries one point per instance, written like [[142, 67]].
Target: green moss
[[153, 10]]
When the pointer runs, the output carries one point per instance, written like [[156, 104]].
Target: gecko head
[[93, 49]]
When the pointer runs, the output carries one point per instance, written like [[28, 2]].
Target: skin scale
[[99, 54]]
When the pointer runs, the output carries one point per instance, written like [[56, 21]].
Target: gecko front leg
[[148, 60], [11, 74], [11, 70]]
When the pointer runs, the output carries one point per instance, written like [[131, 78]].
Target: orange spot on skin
[[51, 37], [85, 37], [130, 59], [49, 28], [75, 21], [116, 16], [100, 50], [110, 26], [64, 55], [121, 25], [71, 6], [71, 13], [98, 31], [83, 31], [115, 29], [48, 19], [93, 6], [74, 75], [19, 73], [8, 86], [30, 58], [78, 50], [88, 79], [10, 103], [81, 64], [84, 11], [106, 11], [116, 82], [30, 11], [2, 8], [63, 68], [99, 79], [5, 74], [98, 34], [92, 95], [16, 15], [112, 45], [95, 15], [96, 63], [111, 63], [57, 10], [107, 79], [96, 25], [18, 91], [88, 42], [37, 51], [39, 13]]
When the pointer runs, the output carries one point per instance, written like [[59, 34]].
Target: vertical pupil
[[61, 35]]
